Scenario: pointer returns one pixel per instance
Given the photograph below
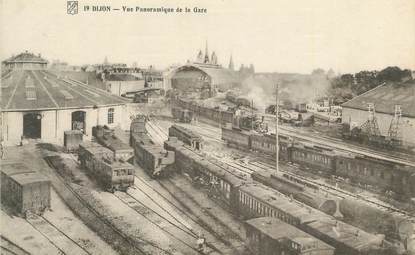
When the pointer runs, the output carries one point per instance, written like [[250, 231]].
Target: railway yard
[[187, 188]]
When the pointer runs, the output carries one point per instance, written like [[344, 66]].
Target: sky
[[274, 35]]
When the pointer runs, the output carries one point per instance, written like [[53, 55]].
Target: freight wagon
[[24, 190]]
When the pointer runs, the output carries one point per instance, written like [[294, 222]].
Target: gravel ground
[[19, 231]]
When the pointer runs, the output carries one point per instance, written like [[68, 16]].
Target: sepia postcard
[[227, 127]]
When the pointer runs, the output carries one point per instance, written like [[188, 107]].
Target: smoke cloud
[[296, 88]]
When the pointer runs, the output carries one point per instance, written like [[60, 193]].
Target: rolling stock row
[[248, 199], [358, 168]]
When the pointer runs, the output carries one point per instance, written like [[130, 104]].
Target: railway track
[[106, 222], [206, 132], [340, 145], [336, 191], [9, 247], [64, 243], [137, 206], [243, 175], [220, 230], [192, 217], [212, 160]]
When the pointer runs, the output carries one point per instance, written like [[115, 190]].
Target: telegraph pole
[[277, 147]]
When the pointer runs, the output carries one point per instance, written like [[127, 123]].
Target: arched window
[[110, 115]]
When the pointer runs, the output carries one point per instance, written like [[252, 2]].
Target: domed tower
[[231, 65]]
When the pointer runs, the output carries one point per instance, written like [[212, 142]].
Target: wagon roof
[[120, 164], [349, 235], [278, 230], [28, 178], [15, 168], [95, 148], [280, 201], [187, 131]]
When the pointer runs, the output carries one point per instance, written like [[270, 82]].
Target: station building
[[38, 104], [386, 99], [204, 77]]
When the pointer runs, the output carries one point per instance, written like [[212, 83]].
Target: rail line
[[188, 215], [105, 221], [211, 159], [9, 247], [124, 198], [39, 223], [223, 238], [215, 162], [339, 145]]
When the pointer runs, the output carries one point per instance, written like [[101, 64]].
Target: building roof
[[385, 97], [279, 230], [26, 57], [41, 90]]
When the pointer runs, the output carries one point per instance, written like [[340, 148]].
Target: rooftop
[[279, 230], [385, 97], [41, 90]]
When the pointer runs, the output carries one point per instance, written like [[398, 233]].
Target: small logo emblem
[[72, 7]]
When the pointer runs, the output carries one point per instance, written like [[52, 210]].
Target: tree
[[393, 73], [318, 71]]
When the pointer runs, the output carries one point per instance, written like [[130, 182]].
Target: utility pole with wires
[[277, 147]]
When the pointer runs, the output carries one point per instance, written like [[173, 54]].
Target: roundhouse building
[[36, 104]]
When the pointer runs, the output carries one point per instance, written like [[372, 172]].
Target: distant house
[[121, 83]]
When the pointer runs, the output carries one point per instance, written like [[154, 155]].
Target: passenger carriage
[[237, 138], [101, 165], [314, 157], [187, 136], [270, 236]]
